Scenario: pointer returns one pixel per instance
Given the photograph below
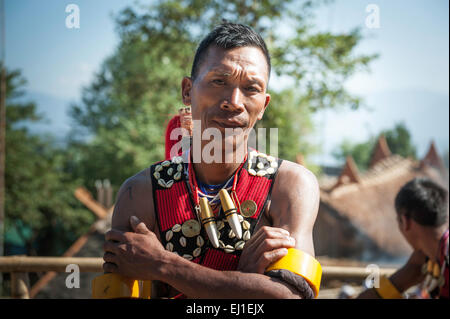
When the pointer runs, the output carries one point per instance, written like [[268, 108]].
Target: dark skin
[[229, 91]]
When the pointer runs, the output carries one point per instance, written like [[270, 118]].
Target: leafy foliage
[[400, 141], [39, 202]]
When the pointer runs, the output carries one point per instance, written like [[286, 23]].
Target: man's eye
[[252, 89], [218, 81]]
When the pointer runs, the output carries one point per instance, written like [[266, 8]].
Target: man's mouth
[[229, 123]]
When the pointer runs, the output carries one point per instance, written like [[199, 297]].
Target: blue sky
[[409, 82], [412, 41], [57, 60]]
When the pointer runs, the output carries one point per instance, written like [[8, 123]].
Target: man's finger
[[265, 233], [270, 257], [115, 235], [110, 267], [271, 232], [109, 257], [270, 250], [109, 246], [273, 244], [138, 226]]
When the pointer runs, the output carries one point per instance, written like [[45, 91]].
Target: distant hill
[[54, 111]]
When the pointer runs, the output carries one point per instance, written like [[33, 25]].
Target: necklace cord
[[195, 188]]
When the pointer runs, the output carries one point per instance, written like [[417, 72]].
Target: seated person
[[422, 215]]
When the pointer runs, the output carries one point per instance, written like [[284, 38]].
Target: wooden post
[[108, 193], [100, 192], [85, 197], [20, 285]]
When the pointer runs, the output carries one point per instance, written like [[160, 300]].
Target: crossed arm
[[133, 249]]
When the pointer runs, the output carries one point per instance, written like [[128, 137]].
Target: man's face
[[229, 90], [405, 226]]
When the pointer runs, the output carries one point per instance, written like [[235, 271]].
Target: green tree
[[361, 152], [40, 209], [122, 114], [398, 139]]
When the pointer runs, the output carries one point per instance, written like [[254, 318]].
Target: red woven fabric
[[219, 260], [253, 187], [177, 208], [173, 124]]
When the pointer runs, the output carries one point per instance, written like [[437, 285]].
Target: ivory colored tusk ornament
[[230, 212], [208, 220]]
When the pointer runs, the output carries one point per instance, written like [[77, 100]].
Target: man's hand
[[267, 245], [405, 277], [133, 254]]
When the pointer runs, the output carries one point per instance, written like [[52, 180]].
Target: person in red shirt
[[422, 215]]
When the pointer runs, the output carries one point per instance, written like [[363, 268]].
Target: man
[[422, 215], [157, 232]]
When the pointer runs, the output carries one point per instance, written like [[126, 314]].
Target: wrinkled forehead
[[250, 60]]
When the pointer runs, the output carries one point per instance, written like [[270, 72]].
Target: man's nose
[[234, 101]]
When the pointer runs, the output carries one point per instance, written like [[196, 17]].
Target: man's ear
[[406, 222], [266, 103], [186, 88]]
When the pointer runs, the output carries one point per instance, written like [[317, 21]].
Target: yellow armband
[[303, 265], [112, 286], [387, 290]]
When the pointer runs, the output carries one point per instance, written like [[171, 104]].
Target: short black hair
[[424, 201], [228, 36]]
